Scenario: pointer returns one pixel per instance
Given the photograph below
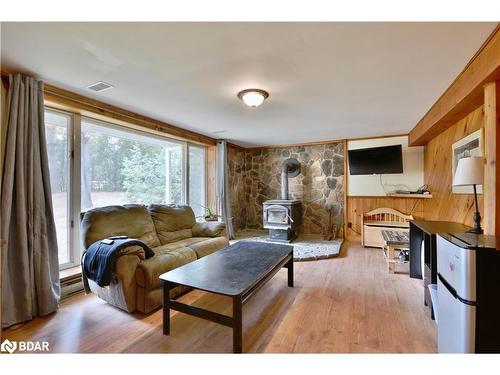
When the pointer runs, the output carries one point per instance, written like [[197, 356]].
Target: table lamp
[[470, 171]]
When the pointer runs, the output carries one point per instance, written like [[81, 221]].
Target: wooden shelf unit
[[418, 196], [394, 195]]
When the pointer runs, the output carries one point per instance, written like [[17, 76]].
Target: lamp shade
[[470, 171]]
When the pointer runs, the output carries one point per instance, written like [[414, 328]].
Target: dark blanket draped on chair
[[30, 267]]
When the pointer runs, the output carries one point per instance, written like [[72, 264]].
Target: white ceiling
[[326, 80]]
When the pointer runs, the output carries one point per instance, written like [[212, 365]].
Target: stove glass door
[[277, 215]]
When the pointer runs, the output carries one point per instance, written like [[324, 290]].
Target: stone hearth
[[305, 247]]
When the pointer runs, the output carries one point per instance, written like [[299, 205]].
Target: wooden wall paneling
[[444, 205], [491, 186], [356, 206], [464, 95]]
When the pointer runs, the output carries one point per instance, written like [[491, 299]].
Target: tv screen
[[376, 160]]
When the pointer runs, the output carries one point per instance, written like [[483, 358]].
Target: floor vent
[[100, 86], [71, 286]]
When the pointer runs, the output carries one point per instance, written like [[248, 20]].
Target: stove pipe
[[284, 182], [290, 168]]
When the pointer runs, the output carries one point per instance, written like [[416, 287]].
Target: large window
[[119, 167], [94, 164]]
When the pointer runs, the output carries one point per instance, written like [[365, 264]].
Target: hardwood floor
[[348, 304]]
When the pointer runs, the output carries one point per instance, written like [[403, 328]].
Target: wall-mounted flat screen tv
[[376, 160]]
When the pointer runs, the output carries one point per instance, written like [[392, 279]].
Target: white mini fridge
[[468, 293]]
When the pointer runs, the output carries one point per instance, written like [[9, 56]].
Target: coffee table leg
[[166, 307], [289, 266], [237, 325]]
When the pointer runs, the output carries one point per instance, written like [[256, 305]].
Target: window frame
[[205, 170], [74, 164], [70, 224]]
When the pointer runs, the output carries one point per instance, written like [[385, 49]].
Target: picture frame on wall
[[471, 145]]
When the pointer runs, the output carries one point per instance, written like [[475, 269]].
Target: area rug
[[305, 247]]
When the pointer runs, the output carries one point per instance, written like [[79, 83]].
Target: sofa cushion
[[208, 245], [131, 220], [209, 229], [147, 274], [172, 222], [186, 242]]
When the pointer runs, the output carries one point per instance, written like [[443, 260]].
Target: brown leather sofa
[[170, 230]]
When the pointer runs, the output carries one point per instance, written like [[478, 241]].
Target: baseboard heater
[[71, 286]]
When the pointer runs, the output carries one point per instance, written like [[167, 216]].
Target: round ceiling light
[[253, 97]]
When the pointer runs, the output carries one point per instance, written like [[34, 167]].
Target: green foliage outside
[[137, 169], [112, 164], [57, 151], [144, 175], [106, 159]]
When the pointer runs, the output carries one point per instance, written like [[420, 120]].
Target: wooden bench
[[374, 222]]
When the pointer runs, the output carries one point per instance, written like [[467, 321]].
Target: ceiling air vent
[[100, 86]]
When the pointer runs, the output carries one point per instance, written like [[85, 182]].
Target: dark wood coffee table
[[237, 271]]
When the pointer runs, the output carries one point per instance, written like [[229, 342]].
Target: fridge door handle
[[453, 292], [447, 285]]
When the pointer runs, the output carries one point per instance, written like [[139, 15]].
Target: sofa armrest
[[209, 229], [133, 250], [123, 289]]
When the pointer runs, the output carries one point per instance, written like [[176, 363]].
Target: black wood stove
[[283, 216]]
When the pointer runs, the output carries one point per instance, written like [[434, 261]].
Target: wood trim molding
[[67, 100], [324, 142], [464, 95], [491, 186], [316, 143], [237, 147]]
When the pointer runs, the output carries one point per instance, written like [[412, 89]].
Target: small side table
[[394, 240]]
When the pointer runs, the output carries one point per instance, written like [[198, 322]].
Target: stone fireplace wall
[[255, 177], [237, 173]]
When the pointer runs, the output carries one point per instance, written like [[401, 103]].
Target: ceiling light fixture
[[253, 97]]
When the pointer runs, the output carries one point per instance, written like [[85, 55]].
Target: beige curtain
[[30, 267]]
